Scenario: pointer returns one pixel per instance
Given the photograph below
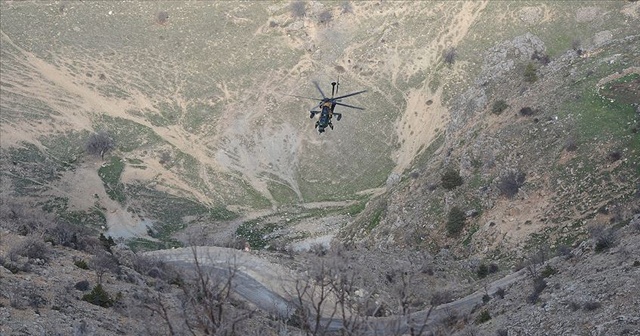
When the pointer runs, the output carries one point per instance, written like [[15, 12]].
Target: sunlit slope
[[198, 91]]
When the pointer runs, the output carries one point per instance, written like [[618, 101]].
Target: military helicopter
[[328, 105]]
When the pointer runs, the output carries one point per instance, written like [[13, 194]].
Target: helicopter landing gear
[[331, 126]]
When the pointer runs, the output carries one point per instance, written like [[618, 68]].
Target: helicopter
[[327, 106]]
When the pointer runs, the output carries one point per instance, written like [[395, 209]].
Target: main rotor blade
[[319, 89], [350, 106], [349, 95], [303, 97]]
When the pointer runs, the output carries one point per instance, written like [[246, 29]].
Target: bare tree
[[99, 144], [298, 9], [102, 263], [208, 298], [155, 303]]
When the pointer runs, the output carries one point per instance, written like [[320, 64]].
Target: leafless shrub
[[543, 58], [347, 8], [603, 237], [157, 269], [318, 249], [574, 306], [99, 144], [526, 111], [510, 183], [571, 144], [591, 305], [325, 17], [27, 297], [102, 263], [165, 157], [614, 156], [208, 303], [68, 235], [499, 106], [500, 293], [450, 55], [564, 251], [32, 248], [298, 9], [441, 297], [82, 285], [22, 219], [162, 17], [539, 284], [576, 45], [635, 221]]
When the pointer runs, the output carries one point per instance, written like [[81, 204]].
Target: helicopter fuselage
[[326, 114]]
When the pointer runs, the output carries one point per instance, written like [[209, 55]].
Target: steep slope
[[544, 145], [212, 125]]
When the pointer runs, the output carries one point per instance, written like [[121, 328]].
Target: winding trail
[[269, 286]]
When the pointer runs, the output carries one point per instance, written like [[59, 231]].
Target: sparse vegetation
[[110, 175]]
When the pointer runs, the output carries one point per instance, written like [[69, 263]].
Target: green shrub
[[451, 179], [81, 264], [530, 75], [98, 297], [107, 242], [499, 106], [500, 292], [455, 221], [483, 317], [482, 271], [548, 271]]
